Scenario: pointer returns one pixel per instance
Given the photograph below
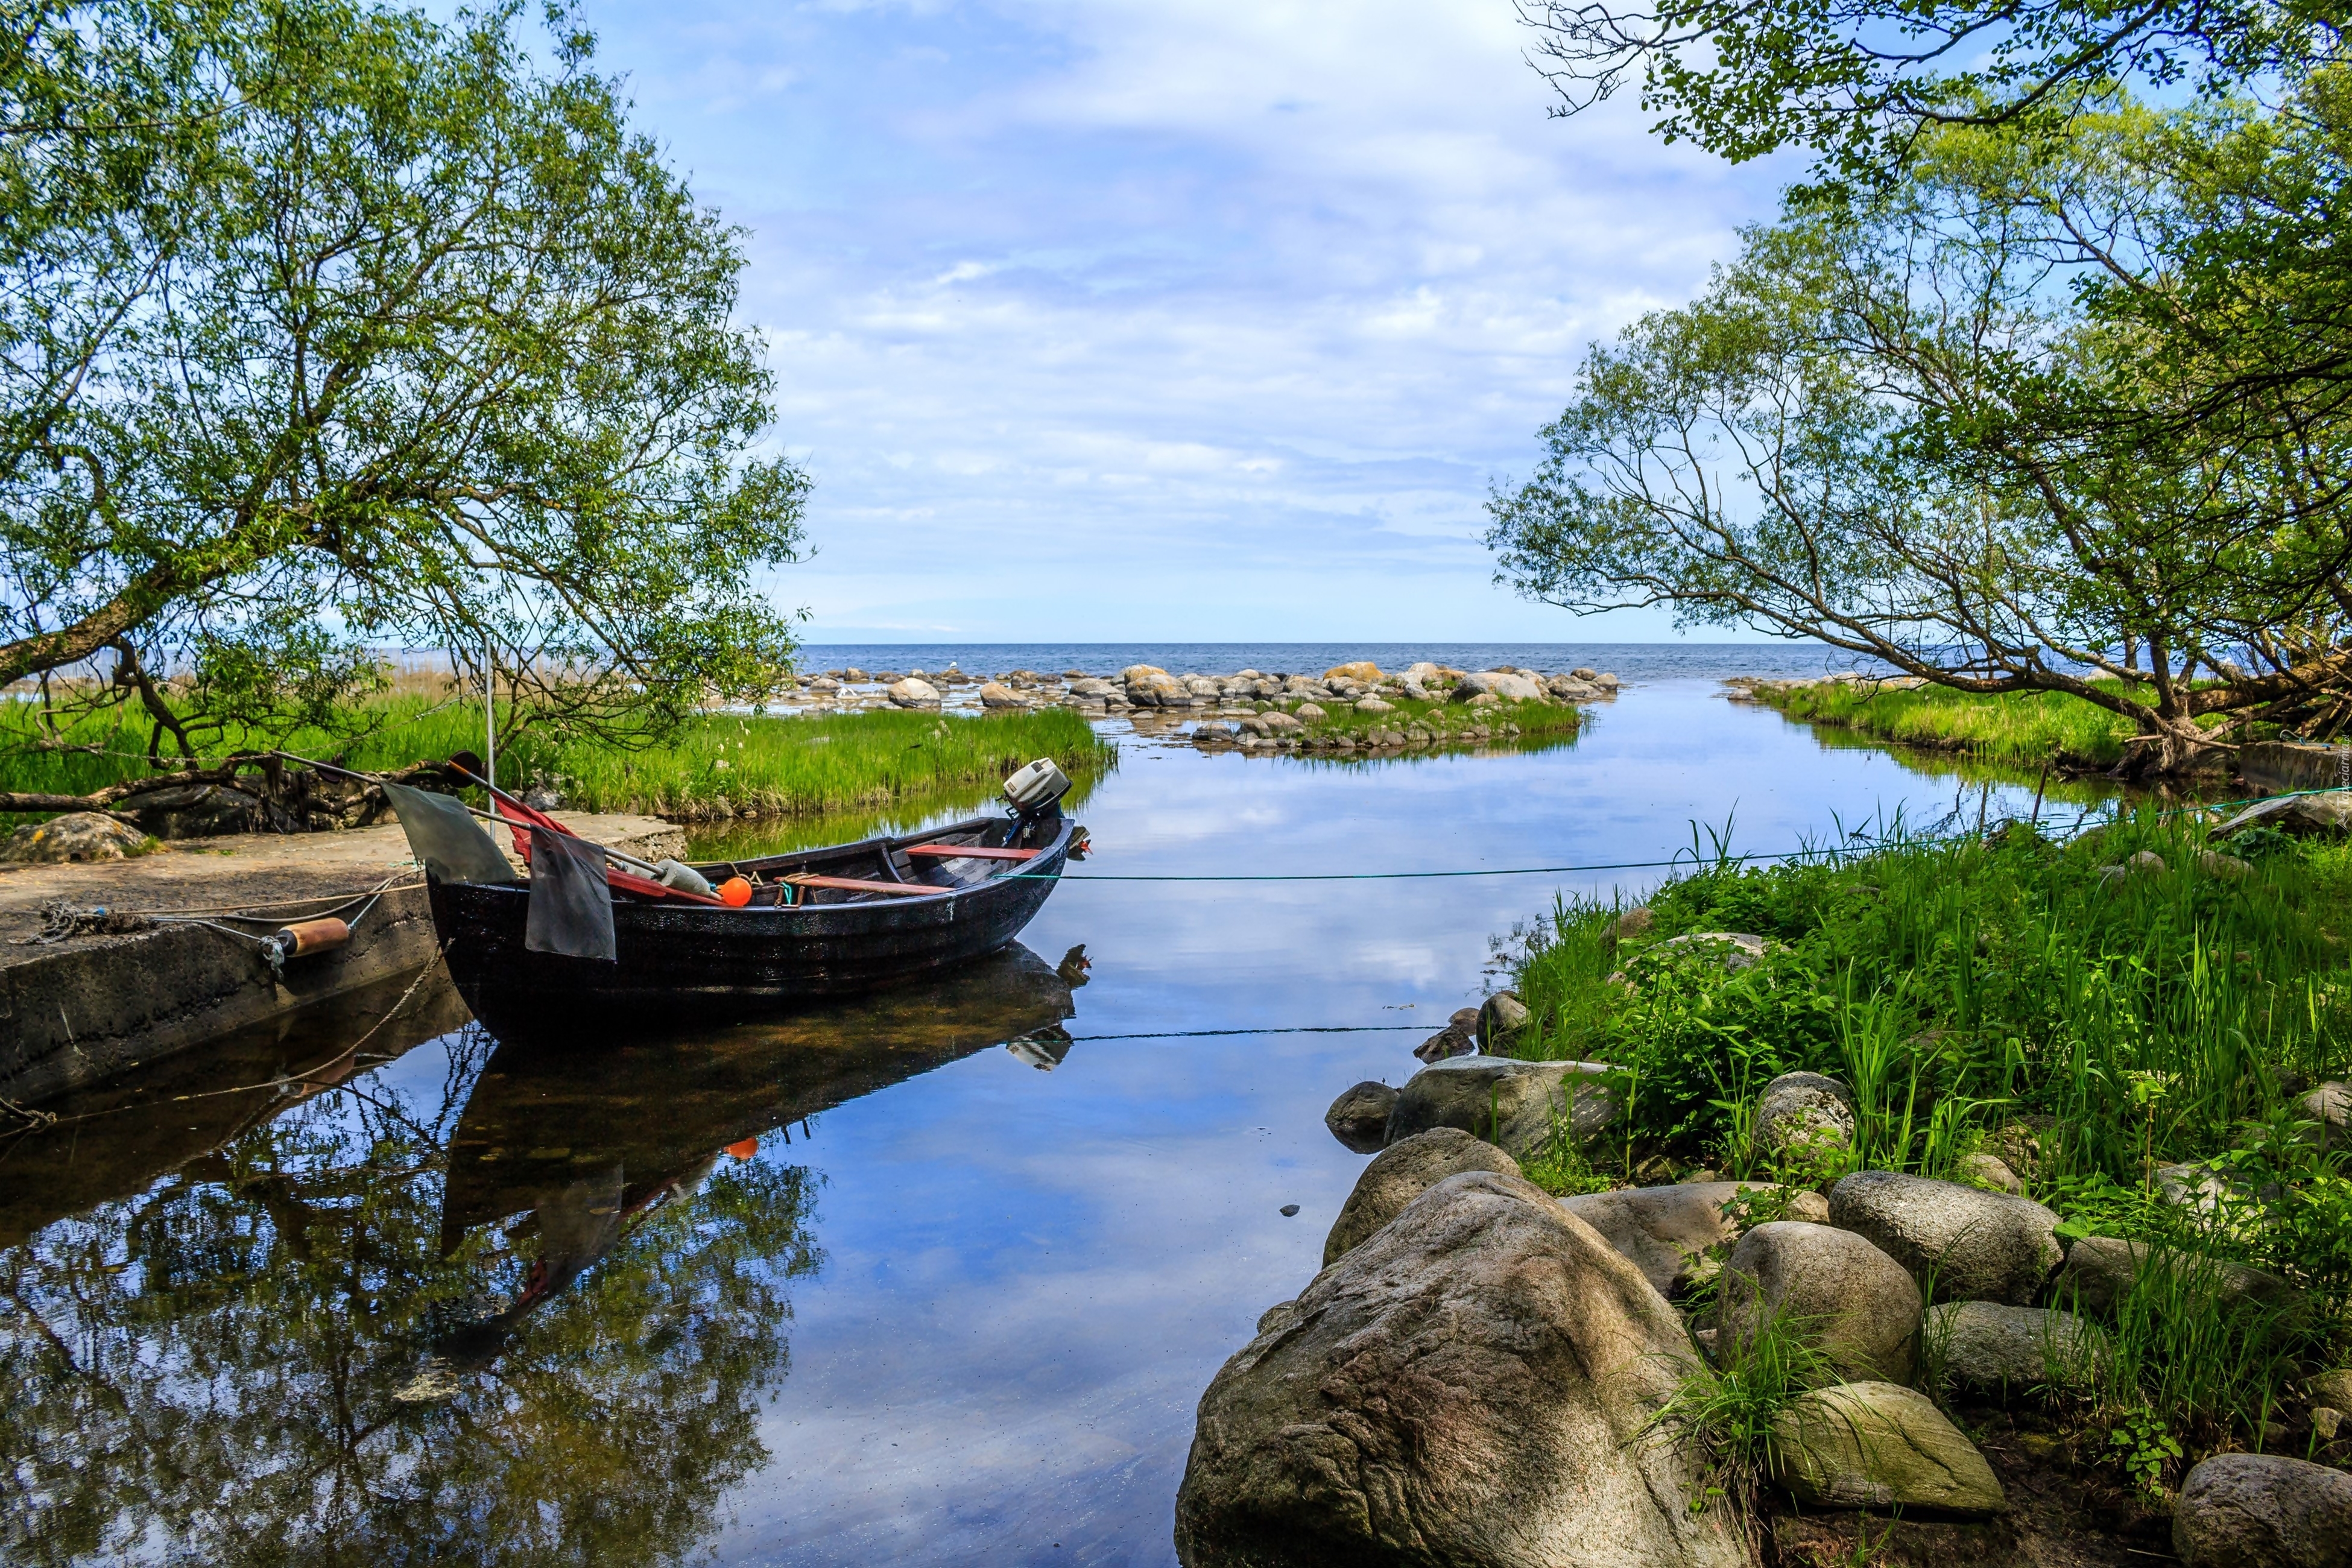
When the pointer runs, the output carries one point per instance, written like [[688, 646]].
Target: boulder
[[1135, 672], [1665, 1230], [1500, 1019], [2263, 1510], [913, 693], [1158, 689], [992, 695], [77, 836], [1374, 705], [1309, 713], [1497, 683], [1988, 1348], [1401, 1172], [1803, 1109], [1973, 1245], [1424, 673], [1606, 681], [1585, 672], [1859, 1306], [1363, 669], [1512, 1104], [2330, 1107], [2325, 815], [1635, 921], [1360, 1117], [1469, 1386], [1879, 1445], [2099, 1271], [2227, 868], [1211, 734]]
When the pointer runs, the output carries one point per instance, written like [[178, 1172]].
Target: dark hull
[[696, 960]]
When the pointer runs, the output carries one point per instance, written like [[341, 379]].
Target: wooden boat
[[821, 922]]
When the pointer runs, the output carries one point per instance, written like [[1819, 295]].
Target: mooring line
[[1288, 1029]]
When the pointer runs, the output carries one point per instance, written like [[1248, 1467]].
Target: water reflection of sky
[[1023, 1279], [1031, 1277]]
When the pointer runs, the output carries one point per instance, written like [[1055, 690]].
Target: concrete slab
[[76, 1013]]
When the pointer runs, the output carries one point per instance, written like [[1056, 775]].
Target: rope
[[1292, 1029]]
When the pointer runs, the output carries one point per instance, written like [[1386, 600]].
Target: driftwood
[[286, 799]]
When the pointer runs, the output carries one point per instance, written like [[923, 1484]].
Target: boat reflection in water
[[565, 1143]]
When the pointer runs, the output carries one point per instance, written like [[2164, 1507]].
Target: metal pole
[[490, 719]]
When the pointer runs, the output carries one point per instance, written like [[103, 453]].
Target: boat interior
[[932, 864]]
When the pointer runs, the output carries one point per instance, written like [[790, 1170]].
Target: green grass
[[2021, 729], [1445, 723], [719, 764], [1977, 994]]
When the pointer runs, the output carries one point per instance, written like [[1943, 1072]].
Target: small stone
[[1990, 1172], [1808, 1207], [1450, 1041], [1374, 705], [1359, 1116], [1879, 1445], [2334, 1387], [992, 695], [2263, 1510], [1289, 1210], [1733, 950], [2330, 1106], [1633, 922], [2227, 868], [2147, 863], [1211, 734], [2326, 1420], [1310, 711]]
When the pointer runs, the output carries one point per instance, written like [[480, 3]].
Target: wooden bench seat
[[969, 852]]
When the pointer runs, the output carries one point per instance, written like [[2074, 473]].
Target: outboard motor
[[1036, 791]]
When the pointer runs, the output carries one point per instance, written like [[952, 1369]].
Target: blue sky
[[1199, 318]]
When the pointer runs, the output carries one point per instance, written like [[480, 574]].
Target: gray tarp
[[443, 835], [571, 902]]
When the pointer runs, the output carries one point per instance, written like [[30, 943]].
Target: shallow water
[[864, 1285]]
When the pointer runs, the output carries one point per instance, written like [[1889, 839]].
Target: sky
[[1201, 320]]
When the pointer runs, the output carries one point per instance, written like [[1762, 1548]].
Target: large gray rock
[[1157, 688], [1665, 1230], [1467, 1387], [2099, 1270], [913, 693], [1988, 1348], [1800, 1110], [1401, 1172], [77, 836], [1879, 1445], [2259, 1511], [1858, 1305], [1360, 1117], [1972, 1245], [1514, 1104], [1497, 683]]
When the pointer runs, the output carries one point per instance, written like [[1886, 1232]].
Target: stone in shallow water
[[1514, 1105], [1360, 1117]]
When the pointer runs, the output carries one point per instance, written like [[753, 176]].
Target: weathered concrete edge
[[2278, 767], [95, 1008]]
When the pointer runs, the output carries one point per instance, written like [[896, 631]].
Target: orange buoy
[[744, 1149], [734, 892]]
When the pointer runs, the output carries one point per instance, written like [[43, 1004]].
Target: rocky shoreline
[[1487, 1373]]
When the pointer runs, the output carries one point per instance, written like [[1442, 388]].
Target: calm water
[[918, 1280]]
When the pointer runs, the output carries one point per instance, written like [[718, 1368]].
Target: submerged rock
[[1513, 1104], [1975, 1246], [1469, 1386], [1879, 1445], [1401, 1172], [1360, 1117], [2262, 1510]]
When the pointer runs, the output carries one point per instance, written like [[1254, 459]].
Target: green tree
[[1888, 426], [324, 325]]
